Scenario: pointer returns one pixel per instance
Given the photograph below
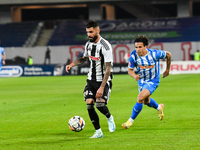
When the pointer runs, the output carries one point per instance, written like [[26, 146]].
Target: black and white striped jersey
[[98, 53]]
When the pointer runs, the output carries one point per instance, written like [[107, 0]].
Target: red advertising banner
[[182, 67]]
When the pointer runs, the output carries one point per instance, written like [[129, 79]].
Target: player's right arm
[[133, 74], [76, 63], [3, 58], [131, 66]]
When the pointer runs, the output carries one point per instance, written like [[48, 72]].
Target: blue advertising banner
[[32, 70], [38, 70], [124, 31], [53, 70]]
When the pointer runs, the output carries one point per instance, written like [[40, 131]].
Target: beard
[[94, 38]]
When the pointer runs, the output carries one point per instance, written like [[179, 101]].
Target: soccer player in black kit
[[99, 82]]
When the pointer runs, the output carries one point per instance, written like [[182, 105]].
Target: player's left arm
[[3, 58], [168, 64], [100, 91]]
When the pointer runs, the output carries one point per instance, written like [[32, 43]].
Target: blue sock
[[153, 103], [136, 110]]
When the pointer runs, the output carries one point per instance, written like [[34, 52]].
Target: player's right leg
[[89, 98], [160, 111], [144, 94], [136, 110], [94, 119], [98, 134]]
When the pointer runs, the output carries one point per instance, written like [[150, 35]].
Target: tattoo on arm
[[80, 61], [107, 74], [168, 56]]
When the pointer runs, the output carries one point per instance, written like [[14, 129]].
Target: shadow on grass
[[44, 138]]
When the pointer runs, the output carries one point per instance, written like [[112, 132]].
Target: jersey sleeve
[[160, 54], [108, 53], [131, 63], [86, 52], [2, 50]]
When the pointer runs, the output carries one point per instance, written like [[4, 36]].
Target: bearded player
[[99, 82]]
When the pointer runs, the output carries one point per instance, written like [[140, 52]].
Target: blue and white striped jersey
[[1, 53], [148, 65]]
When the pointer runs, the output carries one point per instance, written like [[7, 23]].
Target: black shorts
[[92, 87]]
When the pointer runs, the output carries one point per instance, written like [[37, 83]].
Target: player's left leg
[[101, 106], [152, 103], [152, 86]]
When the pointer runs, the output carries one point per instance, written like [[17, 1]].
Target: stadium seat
[[16, 34]]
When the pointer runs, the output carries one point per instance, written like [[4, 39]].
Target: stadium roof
[[14, 2]]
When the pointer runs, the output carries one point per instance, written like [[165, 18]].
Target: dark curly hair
[[142, 38], [93, 24]]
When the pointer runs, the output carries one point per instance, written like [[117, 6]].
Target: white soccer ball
[[76, 123]]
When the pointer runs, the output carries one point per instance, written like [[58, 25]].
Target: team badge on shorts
[[88, 93]]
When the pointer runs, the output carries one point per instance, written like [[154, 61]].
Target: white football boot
[[111, 124], [97, 134]]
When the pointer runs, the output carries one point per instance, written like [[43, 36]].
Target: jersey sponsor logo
[[146, 67], [95, 58]]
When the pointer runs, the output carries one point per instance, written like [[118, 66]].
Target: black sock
[[94, 118], [104, 110]]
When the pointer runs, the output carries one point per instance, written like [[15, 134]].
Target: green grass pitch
[[34, 114]]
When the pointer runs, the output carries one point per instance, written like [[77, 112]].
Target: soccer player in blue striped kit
[[144, 68], [2, 57]]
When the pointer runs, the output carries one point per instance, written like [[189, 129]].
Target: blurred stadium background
[[35, 110], [28, 27]]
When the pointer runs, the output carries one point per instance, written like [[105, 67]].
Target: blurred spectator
[[30, 60], [127, 55], [47, 56], [80, 54], [197, 55]]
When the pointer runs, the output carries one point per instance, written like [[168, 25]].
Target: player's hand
[[166, 73], [137, 77], [68, 67], [99, 93], [3, 62]]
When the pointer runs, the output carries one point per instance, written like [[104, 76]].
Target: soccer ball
[[76, 123]]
